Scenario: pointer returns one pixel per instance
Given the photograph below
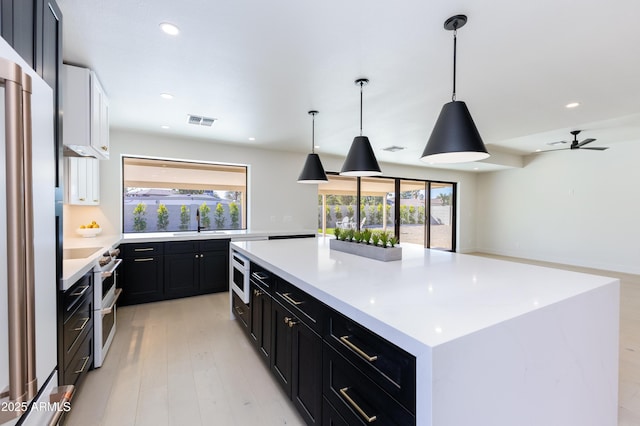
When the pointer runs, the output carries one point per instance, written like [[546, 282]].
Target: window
[[401, 207], [166, 195]]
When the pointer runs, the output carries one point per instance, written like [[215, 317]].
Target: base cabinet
[[141, 277], [75, 331], [170, 270], [335, 371]]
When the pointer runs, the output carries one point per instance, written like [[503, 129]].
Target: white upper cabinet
[[83, 181], [86, 113]]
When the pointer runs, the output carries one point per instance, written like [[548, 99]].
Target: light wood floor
[[183, 362]]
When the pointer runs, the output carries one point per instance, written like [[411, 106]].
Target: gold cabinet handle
[[363, 354], [84, 324], [144, 249], [286, 320], [84, 364], [288, 298], [238, 310], [143, 259], [292, 323], [365, 416], [104, 148], [81, 199]]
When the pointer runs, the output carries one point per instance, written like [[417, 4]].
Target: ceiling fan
[[578, 145]]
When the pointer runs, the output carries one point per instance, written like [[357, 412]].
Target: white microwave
[[240, 275]]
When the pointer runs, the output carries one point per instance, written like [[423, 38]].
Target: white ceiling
[[259, 66]]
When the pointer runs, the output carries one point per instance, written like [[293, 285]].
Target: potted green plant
[[347, 241]]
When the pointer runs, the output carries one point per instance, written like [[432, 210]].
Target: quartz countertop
[[428, 298], [74, 269]]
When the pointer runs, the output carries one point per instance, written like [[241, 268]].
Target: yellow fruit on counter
[[82, 227], [93, 222]]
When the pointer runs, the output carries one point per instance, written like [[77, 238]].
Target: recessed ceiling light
[[316, 146], [165, 127], [252, 138], [572, 105], [169, 28], [476, 168], [166, 95]]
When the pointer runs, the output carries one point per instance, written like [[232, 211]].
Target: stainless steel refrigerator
[[28, 286]]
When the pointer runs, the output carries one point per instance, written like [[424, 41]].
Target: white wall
[[277, 201], [573, 207]]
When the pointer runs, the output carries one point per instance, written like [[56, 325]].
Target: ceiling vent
[[393, 148], [200, 121]]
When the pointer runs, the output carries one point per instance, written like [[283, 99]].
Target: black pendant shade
[[455, 138], [360, 161], [313, 172]]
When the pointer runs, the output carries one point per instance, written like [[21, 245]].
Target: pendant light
[[313, 172], [455, 138], [361, 161]]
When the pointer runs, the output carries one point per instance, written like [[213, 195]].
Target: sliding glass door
[[416, 211], [441, 215], [412, 212]]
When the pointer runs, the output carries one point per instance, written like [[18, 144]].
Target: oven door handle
[[106, 274], [116, 295]]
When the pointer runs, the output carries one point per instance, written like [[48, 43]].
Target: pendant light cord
[[455, 43], [361, 84], [313, 133]]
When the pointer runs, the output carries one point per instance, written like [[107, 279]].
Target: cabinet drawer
[[301, 304], [142, 249], [240, 310], [81, 362], [358, 399], [387, 365], [76, 327], [262, 278], [77, 295], [180, 247]]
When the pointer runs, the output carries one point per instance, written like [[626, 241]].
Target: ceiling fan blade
[[596, 148], [550, 150], [586, 141], [557, 143]]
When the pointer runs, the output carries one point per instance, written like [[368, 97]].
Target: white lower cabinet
[[83, 181]]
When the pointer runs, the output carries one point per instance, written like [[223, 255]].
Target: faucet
[[198, 220]]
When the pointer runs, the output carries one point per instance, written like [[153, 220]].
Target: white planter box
[[367, 250]]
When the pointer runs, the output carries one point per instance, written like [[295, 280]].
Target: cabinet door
[[306, 366], [83, 181], [181, 274], [214, 271], [141, 279], [99, 118], [260, 325], [281, 345], [48, 63], [18, 17], [82, 172]]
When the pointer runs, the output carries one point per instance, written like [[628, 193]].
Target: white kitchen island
[[496, 343]]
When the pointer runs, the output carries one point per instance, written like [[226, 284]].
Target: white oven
[[105, 296], [239, 279]]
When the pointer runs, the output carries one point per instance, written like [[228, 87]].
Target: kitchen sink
[[79, 253]]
